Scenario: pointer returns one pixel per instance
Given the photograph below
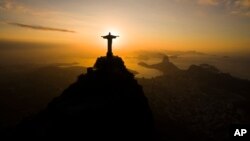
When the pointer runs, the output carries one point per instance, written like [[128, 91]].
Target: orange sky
[[202, 25]]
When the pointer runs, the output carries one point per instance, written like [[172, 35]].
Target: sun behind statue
[[109, 37]]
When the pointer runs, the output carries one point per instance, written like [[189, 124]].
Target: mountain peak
[[107, 102], [110, 65]]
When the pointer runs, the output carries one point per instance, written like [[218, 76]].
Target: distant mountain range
[[199, 103]]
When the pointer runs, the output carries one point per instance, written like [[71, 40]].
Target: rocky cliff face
[[105, 103]]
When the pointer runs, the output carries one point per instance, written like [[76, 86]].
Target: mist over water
[[238, 66], [30, 55], [49, 69]]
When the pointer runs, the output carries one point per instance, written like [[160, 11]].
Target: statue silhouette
[[106, 103], [109, 37]]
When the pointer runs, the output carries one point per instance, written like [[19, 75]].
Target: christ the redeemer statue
[[109, 37]]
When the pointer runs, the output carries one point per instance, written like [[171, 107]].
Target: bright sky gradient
[[202, 25]]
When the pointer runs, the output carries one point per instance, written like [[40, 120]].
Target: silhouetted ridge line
[[105, 103], [167, 67], [199, 103]]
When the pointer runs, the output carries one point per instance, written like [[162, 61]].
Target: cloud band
[[41, 27]]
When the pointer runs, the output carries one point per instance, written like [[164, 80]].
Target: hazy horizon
[[194, 32], [179, 68], [42, 54]]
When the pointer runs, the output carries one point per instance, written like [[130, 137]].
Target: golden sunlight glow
[[174, 25], [117, 43]]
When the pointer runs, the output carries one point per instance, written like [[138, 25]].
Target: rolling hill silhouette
[[199, 103], [105, 103], [165, 66]]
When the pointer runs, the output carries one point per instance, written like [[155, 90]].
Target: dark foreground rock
[[105, 103]]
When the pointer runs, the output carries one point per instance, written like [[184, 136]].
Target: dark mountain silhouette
[[105, 103], [165, 66], [199, 103]]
